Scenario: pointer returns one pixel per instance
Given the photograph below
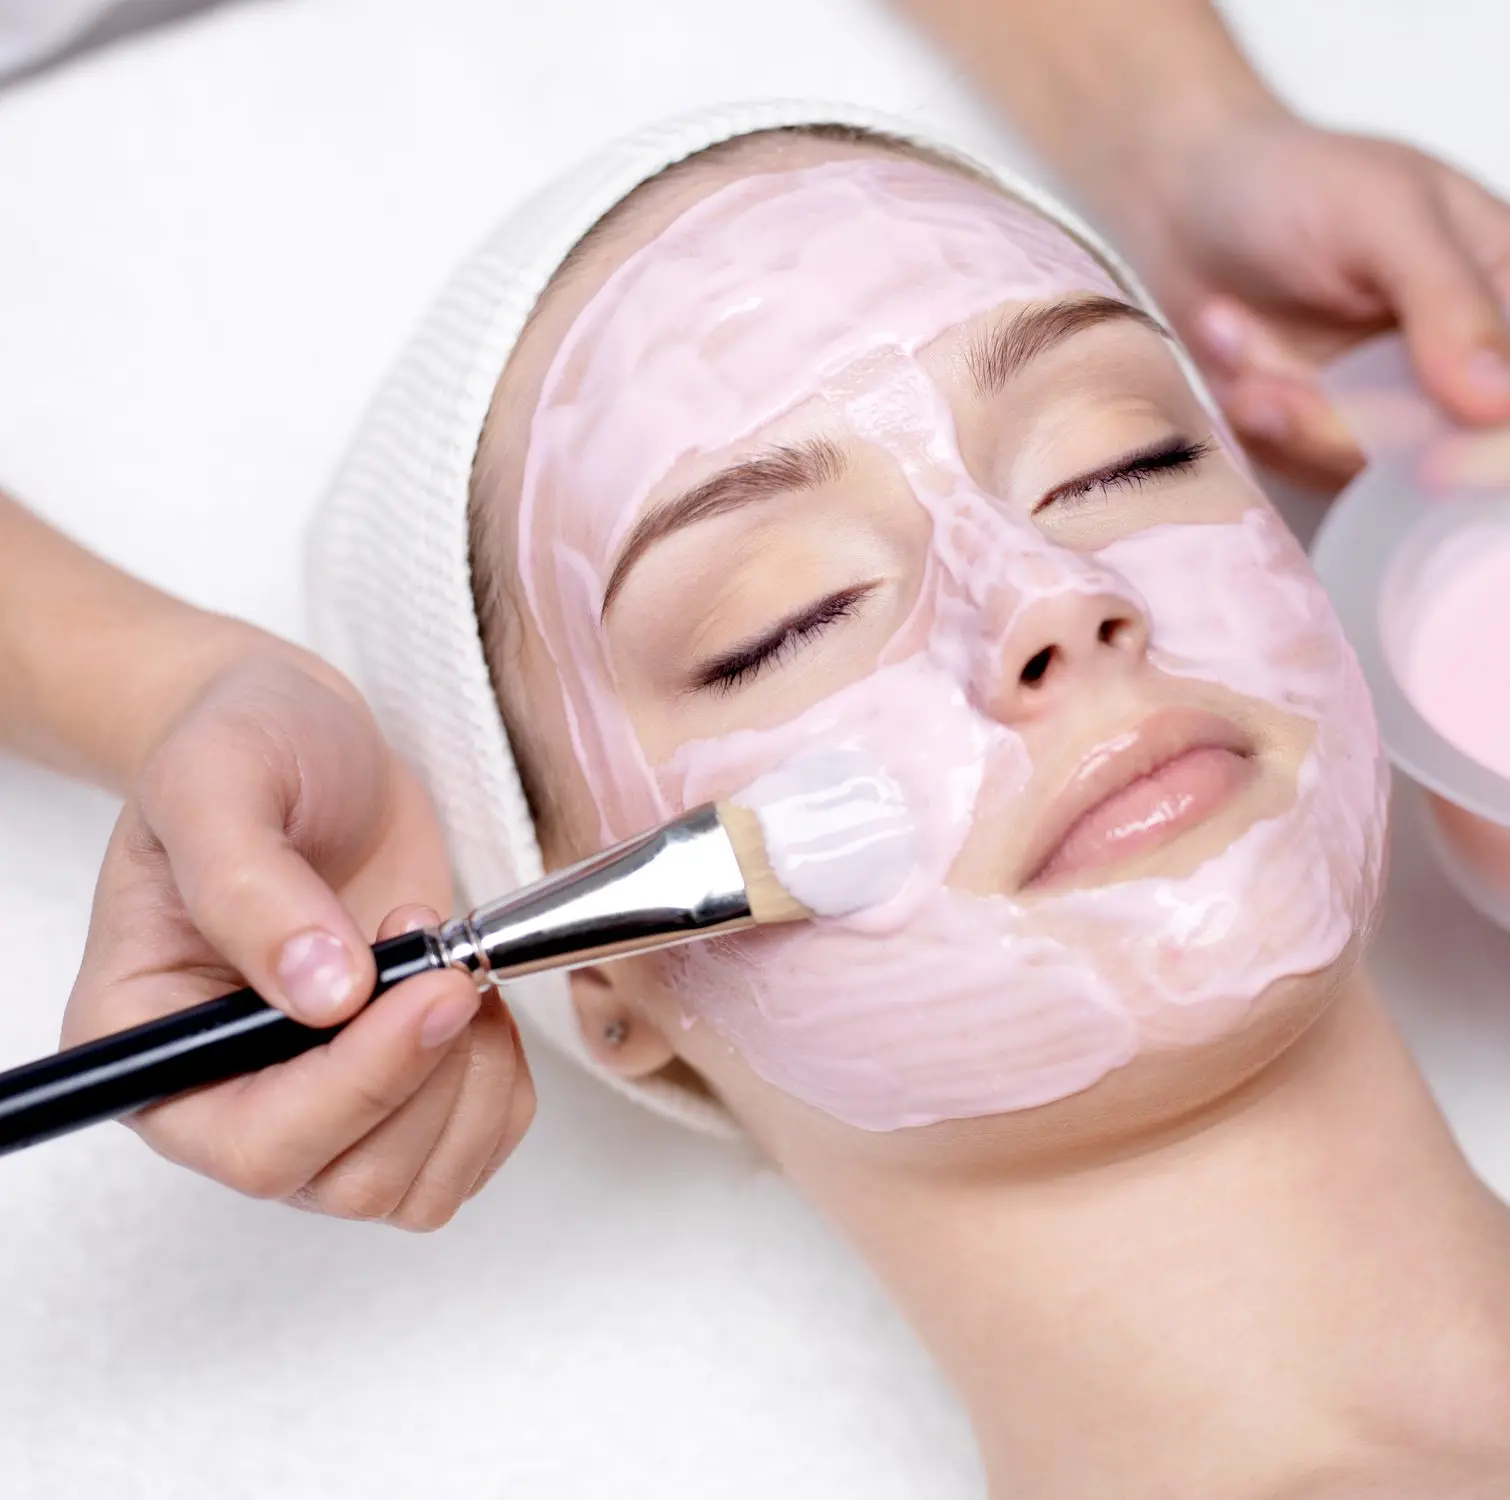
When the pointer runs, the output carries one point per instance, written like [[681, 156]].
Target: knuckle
[[81, 1015], [489, 1173], [139, 844], [495, 1165], [304, 1200], [362, 1193], [380, 1095], [525, 1103], [256, 1173], [227, 887]]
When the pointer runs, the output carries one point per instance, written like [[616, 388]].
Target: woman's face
[[847, 453]]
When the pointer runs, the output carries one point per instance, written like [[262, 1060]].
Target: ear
[[616, 1027]]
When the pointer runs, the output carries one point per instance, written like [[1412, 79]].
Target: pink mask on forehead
[[823, 284]]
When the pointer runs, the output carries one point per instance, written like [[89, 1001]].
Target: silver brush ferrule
[[677, 883]]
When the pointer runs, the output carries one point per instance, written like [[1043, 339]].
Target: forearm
[[1106, 91], [94, 664]]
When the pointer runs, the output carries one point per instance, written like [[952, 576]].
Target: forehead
[[765, 293]]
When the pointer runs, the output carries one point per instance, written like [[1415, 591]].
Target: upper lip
[[1116, 762]]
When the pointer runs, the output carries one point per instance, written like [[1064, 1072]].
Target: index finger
[[270, 1133], [1448, 310]]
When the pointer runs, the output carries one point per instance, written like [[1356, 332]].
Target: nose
[[1063, 645]]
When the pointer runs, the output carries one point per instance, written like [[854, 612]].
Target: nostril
[[1114, 631], [1037, 665]]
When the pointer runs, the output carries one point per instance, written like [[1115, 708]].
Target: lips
[[1139, 791]]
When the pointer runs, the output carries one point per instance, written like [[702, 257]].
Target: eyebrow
[[994, 355], [1000, 350], [782, 471]]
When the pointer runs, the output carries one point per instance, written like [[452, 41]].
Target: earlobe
[[617, 1031]]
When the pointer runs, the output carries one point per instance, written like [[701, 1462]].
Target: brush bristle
[[770, 901]]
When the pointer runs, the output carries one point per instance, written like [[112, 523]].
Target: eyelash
[[1133, 472], [743, 665]]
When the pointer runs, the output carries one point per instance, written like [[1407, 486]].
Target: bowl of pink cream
[[1416, 557]]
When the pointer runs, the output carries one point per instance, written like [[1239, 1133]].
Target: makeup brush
[[713, 870]]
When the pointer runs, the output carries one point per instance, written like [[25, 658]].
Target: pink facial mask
[[823, 284]]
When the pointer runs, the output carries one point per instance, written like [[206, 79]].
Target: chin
[[1152, 1099], [1158, 1093]]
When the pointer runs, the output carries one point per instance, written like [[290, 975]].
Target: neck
[[1310, 1279]]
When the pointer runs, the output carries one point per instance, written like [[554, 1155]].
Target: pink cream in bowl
[[1416, 556]]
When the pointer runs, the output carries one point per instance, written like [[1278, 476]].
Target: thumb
[[272, 789], [1451, 317]]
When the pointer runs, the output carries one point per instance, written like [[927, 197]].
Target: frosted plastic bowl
[[1431, 493]]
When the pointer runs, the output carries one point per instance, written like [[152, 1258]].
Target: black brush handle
[[188, 1049]]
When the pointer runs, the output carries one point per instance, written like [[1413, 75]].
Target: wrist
[[177, 651], [95, 665], [189, 650], [1157, 150]]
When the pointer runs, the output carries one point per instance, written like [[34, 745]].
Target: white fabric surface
[[215, 238], [34, 33], [32, 29]]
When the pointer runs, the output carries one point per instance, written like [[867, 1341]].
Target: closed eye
[[1160, 460], [736, 668]]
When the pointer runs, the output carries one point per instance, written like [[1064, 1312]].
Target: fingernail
[[447, 1020], [1225, 336], [421, 916], [315, 972], [1326, 429], [1489, 370]]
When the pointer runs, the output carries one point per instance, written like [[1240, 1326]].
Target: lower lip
[[1148, 813]]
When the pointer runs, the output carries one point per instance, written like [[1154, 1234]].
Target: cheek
[[910, 717], [1238, 605], [982, 1005]]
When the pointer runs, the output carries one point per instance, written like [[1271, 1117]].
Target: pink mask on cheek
[[824, 284]]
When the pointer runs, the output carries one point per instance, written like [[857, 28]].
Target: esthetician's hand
[[1274, 245], [269, 837]]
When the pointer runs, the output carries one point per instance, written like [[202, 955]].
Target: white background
[[211, 241]]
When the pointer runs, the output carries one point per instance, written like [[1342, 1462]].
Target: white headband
[[390, 592]]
